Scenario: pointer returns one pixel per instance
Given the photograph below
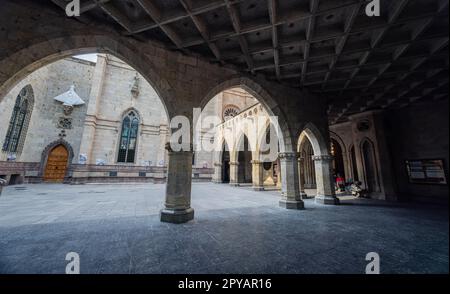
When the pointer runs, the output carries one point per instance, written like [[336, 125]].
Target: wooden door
[[55, 170]]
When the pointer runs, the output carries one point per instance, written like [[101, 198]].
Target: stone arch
[[263, 96], [125, 113], [370, 169], [238, 155], [322, 162], [353, 163], [218, 154], [48, 149], [261, 140], [338, 139], [240, 144], [344, 153], [40, 54], [315, 137], [224, 165]]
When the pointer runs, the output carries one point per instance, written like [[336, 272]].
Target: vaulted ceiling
[[328, 46]]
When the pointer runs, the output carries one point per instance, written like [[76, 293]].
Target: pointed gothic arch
[[128, 137]]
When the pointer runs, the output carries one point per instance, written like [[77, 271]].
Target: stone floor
[[116, 229]]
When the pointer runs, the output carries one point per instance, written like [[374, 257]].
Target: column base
[[234, 184], [177, 216], [327, 200], [303, 195], [292, 204], [258, 188]]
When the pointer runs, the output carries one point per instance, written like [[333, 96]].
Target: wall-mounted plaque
[[426, 171]]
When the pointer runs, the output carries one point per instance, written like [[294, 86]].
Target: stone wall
[[367, 129], [419, 132], [115, 101], [236, 97], [47, 83], [106, 89]]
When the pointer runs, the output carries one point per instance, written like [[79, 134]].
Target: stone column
[[234, 173], [217, 177], [178, 190], [257, 175], [89, 128], [290, 192], [324, 180], [301, 171]]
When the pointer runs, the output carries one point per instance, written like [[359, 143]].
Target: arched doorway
[[225, 165], [245, 163], [370, 168], [308, 169], [268, 151], [338, 159], [56, 167], [354, 165], [325, 191]]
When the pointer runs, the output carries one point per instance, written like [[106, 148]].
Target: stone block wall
[[47, 83], [419, 132]]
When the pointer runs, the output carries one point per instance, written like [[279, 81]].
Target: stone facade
[[182, 82], [366, 154], [110, 89]]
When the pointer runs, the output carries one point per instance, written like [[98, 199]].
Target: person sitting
[[340, 182], [356, 190]]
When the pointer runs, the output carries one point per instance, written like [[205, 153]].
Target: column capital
[[256, 162], [288, 155], [217, 164], [234, 163], [180, 153], [169, 149], [322, 157]]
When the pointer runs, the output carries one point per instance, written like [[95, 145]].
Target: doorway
[[370, 167], [225, 165], [56, 167]]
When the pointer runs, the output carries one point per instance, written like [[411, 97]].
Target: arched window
[[128, 138], [370, 167], [230, 112], [20, 118]]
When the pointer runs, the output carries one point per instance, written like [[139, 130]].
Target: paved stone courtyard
[[116, 229]]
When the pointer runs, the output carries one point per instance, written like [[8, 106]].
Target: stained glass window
[[128, 138], [18, 123]]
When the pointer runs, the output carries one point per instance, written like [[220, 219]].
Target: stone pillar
[[347, 167], [290, 192], [279, 175], [301, 171], [257, 175], [324, 180], [178, 190], [89, 128], [234, 173], [217, 177]]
